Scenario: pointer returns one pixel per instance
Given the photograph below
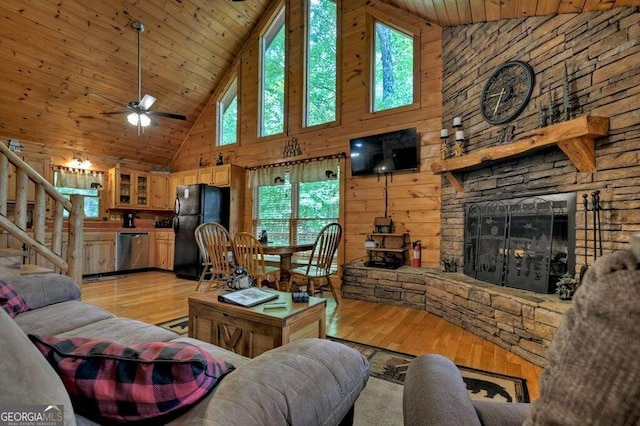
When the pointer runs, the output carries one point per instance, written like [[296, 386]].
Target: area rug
[[379, 404], [178, 325], [391, 367], [482, 385]]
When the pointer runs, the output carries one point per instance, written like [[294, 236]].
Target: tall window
[[321, 75], [87, 183], [393, 68], [273, 76], [228, 115]]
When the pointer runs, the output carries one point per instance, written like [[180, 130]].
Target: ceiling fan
[[138, 111]]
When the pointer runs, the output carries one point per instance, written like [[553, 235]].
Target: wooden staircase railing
[[35, 239]]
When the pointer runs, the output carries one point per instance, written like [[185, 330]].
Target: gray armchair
[[435, 394], [593, 376]]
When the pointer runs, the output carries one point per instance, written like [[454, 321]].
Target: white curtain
[[81, 179], [267, 176], [314, 171]]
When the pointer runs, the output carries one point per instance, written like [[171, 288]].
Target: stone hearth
[[520, 321]]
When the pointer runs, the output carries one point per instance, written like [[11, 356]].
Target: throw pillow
[[113, 383], [11, 301]]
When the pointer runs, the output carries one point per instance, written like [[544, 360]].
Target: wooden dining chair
[[317, 273], [216, 249], [249, 253]]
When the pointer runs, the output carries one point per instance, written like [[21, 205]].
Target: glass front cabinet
[[129, 189]]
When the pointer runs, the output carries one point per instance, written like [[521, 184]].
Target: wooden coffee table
[[252, 331]]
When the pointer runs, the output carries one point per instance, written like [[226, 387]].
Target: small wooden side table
[[252, 331]]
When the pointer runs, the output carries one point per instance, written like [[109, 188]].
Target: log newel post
[[74, 252], [4, 184]]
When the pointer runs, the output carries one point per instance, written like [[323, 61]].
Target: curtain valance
[[79, 178], [314, 171], [267, 177], [307, 170]]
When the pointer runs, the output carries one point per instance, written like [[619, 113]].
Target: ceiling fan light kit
[[134, 119], [138, 113]]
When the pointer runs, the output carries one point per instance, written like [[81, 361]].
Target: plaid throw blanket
[[11, 301], [109, 382]]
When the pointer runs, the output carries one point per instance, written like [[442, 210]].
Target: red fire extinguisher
[[417, 248]]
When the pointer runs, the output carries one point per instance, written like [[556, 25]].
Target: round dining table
[[285, 251]]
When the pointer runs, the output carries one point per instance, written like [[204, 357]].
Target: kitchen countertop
[[142, 225], [121, 229], [109, 226]]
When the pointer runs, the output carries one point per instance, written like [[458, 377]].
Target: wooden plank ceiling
[[450, 13], [54, 53]]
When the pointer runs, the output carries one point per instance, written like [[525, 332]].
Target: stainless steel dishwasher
[[132, 251]]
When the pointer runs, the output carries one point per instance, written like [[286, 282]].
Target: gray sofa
[[308, 382], [593, 375]]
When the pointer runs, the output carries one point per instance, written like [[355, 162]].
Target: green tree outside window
[[393, 68], [273, 78], [228, 115], [321, 72], [295, 213]]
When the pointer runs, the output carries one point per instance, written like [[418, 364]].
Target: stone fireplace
[[597, 50], [526, 243]]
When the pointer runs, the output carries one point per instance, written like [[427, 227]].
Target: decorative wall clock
[[507, 92]]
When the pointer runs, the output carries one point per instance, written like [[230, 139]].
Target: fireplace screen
[[527, 243]]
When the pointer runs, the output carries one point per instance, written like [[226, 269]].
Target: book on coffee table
[[248, 297]]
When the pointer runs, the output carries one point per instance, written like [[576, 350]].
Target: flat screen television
[[385, 153]]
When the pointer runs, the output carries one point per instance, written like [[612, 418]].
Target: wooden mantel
[[576, 138]]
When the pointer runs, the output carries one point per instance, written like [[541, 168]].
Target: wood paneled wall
[[63, 157], [602, 53], [413, 198]]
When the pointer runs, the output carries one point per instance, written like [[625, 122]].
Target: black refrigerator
[[194, 205]]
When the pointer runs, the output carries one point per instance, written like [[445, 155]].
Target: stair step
[[12, 252], [29, 269]]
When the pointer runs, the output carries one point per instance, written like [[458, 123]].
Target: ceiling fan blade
[[167, 115], [103, 97], [146, 102], [113, 112]]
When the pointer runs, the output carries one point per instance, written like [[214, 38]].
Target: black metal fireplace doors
[[527, 243]]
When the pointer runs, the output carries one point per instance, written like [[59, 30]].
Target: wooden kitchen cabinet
[[188, 177], [224, 176], [164, 250], [99, 252], [205, 175], [227, 176], [220, 176], [159, 189], [128, 189]]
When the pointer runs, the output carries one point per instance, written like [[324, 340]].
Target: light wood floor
[[156, 297]]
